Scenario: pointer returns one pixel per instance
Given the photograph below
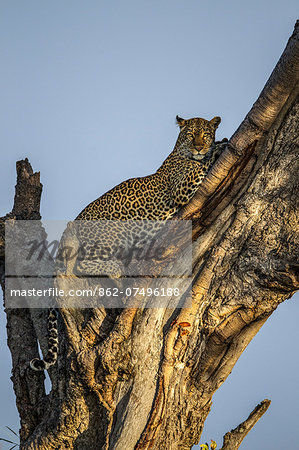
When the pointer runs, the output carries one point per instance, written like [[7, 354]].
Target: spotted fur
[[51, 357], [159, 196], [155, 197]]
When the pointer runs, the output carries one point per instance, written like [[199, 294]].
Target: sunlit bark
[[144, 378]]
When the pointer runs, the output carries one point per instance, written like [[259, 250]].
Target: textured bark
[[21, 335], [233, 439], [144, 378]]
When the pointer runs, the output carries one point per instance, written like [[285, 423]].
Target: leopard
[[156, 197]]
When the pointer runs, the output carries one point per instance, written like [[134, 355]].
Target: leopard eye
[[207, 136], [190, 136]]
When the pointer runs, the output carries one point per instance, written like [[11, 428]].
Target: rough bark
[[144, 378], [21, 332], [233, 439]]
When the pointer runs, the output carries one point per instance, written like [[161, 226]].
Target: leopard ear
[[181, 122], [215, 122]]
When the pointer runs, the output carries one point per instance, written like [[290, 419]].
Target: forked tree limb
[[145, 378], [281, 90]]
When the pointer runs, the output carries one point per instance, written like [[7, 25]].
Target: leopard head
[[199, 133]]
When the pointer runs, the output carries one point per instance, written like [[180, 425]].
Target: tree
[[144, 378]]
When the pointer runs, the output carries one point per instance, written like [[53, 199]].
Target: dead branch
[[233, 439]]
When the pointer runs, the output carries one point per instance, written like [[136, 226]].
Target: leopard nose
[[198, 141]]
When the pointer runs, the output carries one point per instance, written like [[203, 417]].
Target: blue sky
[[89, 93]]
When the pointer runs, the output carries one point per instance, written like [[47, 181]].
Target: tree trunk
[[144, 378]]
